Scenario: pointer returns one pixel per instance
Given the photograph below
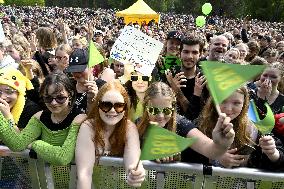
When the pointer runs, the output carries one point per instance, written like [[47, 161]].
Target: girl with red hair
[[108, 131]]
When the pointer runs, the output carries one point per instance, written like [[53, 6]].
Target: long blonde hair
[[209, 117], [157, 89]]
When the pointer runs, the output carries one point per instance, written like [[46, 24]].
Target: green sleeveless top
[[55, 147]]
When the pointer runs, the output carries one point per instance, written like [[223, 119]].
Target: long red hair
[[118, 137]]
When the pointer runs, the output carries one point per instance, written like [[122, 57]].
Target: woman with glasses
[[136, 88], [62, 54], [13, 104], [160, 106], [50, 133], [108, 132]]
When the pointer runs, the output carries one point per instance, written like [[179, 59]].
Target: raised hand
[[223, 133], [5, 109], [33, 42], [264, 90], [92, 89], [267, 144], [176, 81], [200, 82]]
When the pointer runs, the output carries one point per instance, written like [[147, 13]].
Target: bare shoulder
[[131, 128], [79, 119], [131, 125], [86, 129], [38, 114]]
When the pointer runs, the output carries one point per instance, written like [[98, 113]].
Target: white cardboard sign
[[133, 46]]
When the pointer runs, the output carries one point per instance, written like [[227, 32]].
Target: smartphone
[[245, 150]]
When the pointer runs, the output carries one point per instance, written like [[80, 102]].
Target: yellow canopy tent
[[138, 12]]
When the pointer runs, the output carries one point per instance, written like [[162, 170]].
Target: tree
[[270, 10], [25, 2]]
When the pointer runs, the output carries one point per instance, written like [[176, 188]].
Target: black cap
[[175, 35], [78, 61]]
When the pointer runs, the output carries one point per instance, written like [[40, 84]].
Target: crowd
[[52, 103]]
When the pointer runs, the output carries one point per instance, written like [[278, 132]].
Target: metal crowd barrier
[[18, 170]]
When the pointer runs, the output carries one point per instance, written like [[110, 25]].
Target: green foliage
[[270, 10], [25, 2]]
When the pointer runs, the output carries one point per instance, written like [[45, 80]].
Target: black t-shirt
[[189, 155], [81, 98], [45, 118], [195, 103], [81, 102], [29, 110], [183, 126]]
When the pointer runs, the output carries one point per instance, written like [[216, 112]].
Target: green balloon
[[206, 8], [200, 21]]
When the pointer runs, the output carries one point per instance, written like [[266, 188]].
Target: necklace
[[58, 120]]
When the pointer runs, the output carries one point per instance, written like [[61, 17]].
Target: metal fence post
[[160, 179]]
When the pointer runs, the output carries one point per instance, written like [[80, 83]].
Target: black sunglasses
[[58, 99], [156, 110], [136, 77], [107, 106]]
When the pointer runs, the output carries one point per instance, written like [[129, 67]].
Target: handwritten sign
[[137, 48]]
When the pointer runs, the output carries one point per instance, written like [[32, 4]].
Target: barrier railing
[[17, 170]]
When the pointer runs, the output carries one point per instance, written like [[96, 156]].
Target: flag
[[265, 125], [160, 143], [223, 79], [95, 56], [252, 112]]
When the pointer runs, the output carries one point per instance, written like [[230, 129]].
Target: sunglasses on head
[[156, 110], [107, 106], [58, 99], [141, 78]]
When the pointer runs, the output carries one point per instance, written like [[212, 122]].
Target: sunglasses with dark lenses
[[58, 99], [138, 77], [156, 111], [107, 106]]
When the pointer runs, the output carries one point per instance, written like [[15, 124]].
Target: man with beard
[[186, 80], [218, 47]]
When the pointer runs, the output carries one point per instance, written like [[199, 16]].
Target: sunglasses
[[156, 111], [107, 106], [7, 91], [58, 99], [141, 78]]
